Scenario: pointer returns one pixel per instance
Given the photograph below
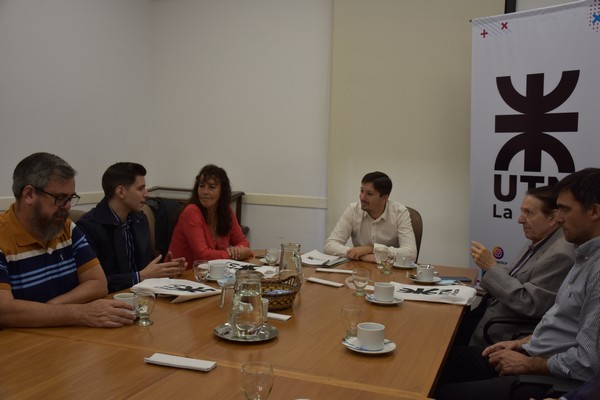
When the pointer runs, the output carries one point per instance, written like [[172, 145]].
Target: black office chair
[[417, 225], [162, 217], [548, 386], [523, 326]]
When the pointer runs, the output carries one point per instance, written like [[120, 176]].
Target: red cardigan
[[192, 237]]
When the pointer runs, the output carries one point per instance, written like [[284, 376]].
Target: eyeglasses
[[61, 200]]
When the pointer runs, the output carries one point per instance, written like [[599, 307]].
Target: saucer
[[267, 332], [352, 344], [264, 261], [371, 298], [436, 279], [411, 266], [211, 279]]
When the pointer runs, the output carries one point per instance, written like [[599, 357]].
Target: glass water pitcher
[[290, 262], [246, 317]]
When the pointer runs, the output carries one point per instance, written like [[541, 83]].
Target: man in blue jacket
[[118, 230]]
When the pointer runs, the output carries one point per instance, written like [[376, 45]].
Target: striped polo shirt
[[34, 272]]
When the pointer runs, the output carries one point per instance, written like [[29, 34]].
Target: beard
[[48, 227]]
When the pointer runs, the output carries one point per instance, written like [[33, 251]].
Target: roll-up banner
[[535, 112]]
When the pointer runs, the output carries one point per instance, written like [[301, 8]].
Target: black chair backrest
[[166, 212], [417, 225]]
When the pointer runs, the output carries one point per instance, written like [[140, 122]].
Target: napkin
[[180, 362], [341, 271], [325, 282], [453, 294], [278, 317]]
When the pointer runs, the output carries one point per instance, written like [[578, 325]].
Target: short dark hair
[[380, 181], [584, 185], [120, 174], [38, 169], [211, 171], [547, 195]]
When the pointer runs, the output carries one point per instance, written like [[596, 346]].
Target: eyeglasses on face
[[61, 200]]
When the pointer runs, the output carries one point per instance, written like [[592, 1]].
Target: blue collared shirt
[[568, 333]]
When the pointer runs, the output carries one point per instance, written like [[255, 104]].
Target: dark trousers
[[469, 322], [467, 375]]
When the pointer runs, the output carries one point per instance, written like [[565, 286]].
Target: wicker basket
[[281, 293]]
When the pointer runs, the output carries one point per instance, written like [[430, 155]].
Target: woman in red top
[[207, 228]]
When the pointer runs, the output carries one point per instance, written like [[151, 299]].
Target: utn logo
[[534, 120]]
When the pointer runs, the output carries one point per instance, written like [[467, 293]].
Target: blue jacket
[[105, 237]]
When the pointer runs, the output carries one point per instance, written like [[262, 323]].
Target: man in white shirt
[[373, 221]]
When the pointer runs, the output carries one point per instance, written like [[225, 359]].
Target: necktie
[[128, 237], [522, 261]]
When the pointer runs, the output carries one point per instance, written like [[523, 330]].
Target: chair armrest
[[556, 386], [527, 325]]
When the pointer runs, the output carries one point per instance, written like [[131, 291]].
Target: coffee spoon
[[347, 343]]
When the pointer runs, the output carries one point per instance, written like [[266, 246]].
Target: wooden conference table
[[308, 357]]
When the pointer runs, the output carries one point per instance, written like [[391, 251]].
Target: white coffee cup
[[404, 261], [124, 297], [425, 272], [370, 335], [218, 270], [384, 291]]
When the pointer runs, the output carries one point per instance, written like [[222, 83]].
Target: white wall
[[176, 84], [531, 4], [75, 79], [401, 105], [245, 85]]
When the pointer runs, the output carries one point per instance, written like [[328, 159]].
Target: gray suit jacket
[[531, 292]]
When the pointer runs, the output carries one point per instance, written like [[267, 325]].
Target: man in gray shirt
[[565, 342], [526, 287]]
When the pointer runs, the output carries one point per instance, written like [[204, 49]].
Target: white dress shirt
[[392, 229]]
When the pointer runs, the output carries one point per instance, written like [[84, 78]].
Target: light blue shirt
[[568, 334]]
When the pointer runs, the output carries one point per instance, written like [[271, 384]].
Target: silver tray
[[267, 332]]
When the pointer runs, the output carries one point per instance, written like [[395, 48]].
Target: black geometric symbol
[[426, 292], [534, 120], [186, 288]]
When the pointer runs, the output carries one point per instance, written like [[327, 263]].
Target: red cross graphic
[[483, 33], [504, 25]]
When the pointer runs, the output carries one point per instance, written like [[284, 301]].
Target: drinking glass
[[257, 379], [388, 262], [351, 317], [360, 278], [272, 256], [143, 302], [201, 269], [380, 254]]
